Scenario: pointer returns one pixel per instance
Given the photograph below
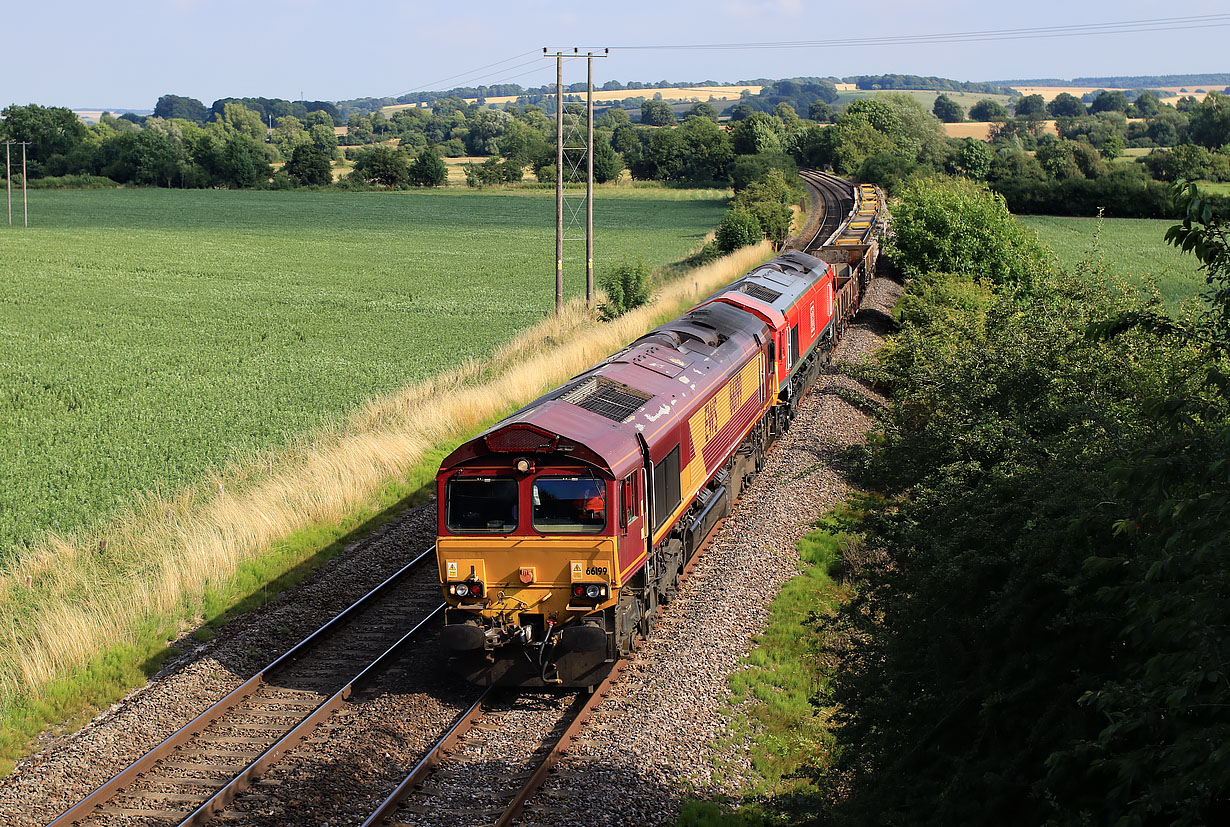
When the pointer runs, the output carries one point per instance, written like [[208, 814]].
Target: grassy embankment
[[786, 670], [152, 334], [85, 620]]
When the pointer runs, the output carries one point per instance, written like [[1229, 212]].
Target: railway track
[[486, 774], [486, 767], [222, 752], [838, 199]]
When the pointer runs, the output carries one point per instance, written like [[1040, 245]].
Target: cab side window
[[631, 500]]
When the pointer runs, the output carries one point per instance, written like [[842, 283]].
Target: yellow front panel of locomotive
[[552, 563]]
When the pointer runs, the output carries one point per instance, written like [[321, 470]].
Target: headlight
[[466, 588], [590, 591]]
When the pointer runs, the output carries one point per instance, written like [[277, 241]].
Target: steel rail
[[184, 734], [828, 221], [579, 719], [832, 190], [432, 758], [825, 210], [303, 729]]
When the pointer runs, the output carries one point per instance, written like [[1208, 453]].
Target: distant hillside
[[927, 83], [505, 92], [1127, 81]]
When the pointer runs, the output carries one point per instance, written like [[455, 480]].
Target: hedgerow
[[1041, 639]]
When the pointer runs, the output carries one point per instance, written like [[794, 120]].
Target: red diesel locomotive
[[564, 526]]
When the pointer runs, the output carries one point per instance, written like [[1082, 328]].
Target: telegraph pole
[[559, 183], [560, 158], [8, 177], [589, 186]]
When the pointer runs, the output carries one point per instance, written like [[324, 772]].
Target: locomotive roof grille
[[759, 291], [606, 397]]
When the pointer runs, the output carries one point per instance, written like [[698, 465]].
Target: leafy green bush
[[769, 199], [747, 169], [384, 165], [739, 228], [1124, 192], [428, 170], [956, 226], [67, 182], [626, 286]]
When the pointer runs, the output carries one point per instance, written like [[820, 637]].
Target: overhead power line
[[1069, 30], [435, 83], [1147, 26]]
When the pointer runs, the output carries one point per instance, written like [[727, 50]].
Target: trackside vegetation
[[790, 667], [1033, 627], [1035, 632]]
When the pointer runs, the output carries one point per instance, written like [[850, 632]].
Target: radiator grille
[[759, 291], [605, 397]]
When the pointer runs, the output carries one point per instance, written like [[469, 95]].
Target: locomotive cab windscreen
[[568, 505], [483, 504], [558, 503]]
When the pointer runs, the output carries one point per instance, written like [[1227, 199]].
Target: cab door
[[633, 523]]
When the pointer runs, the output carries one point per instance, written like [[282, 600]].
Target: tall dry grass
[[69, 599]]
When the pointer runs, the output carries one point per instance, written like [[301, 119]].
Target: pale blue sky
[[125, 53]]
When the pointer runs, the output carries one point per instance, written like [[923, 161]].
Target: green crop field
[[149, 335], [1133, 248]]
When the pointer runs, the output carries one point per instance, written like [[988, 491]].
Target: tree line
[[928, 83], [886, 138], [1076, 172]]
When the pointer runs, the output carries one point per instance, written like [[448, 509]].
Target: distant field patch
[[1190, 90], [1133, 248], [968, 129], [147, 336], [456, 169], [674, 93], [982, 130], [1049, 93], [1215, 187]]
